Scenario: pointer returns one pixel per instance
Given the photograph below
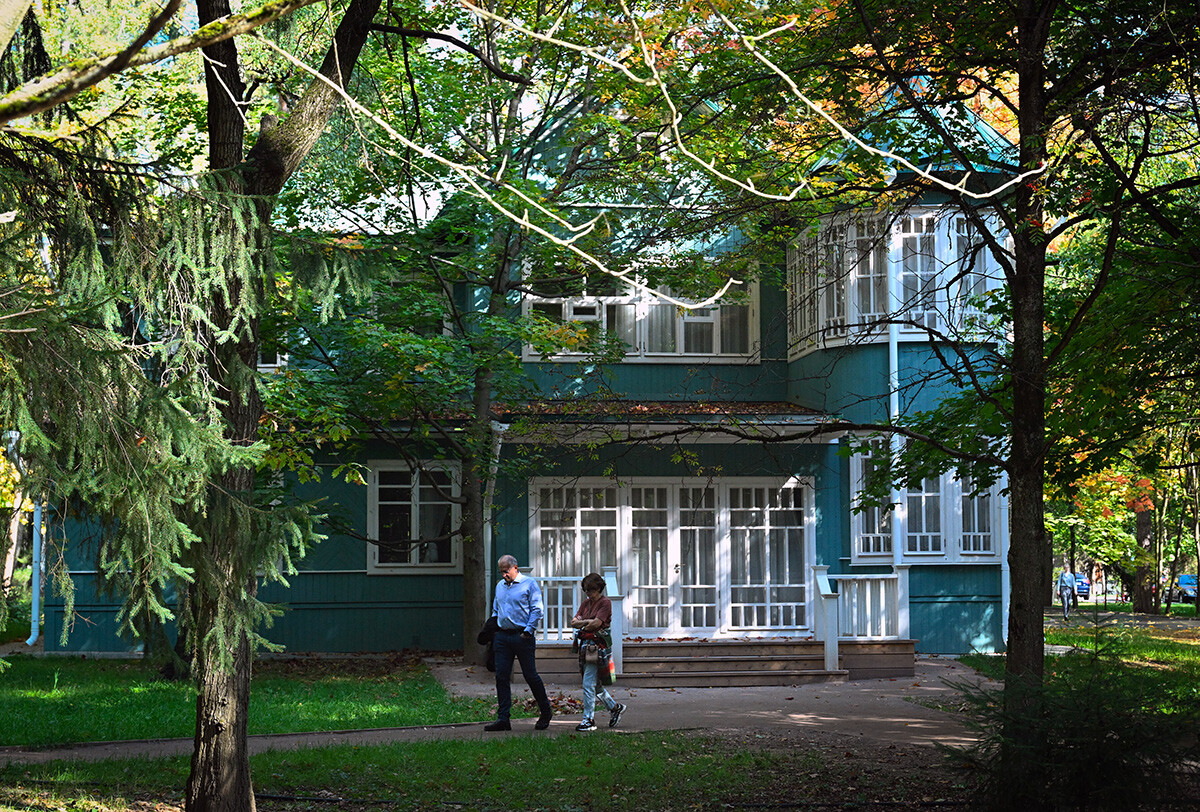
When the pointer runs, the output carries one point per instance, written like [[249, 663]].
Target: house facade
[[717, 490]]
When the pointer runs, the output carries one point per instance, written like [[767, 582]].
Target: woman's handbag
[[591, 654]]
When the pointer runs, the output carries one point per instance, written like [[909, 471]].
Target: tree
[[438, 347]]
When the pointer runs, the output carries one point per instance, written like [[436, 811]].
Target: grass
[[614, 772], [617, 772], [1164, 662], [51, 701]]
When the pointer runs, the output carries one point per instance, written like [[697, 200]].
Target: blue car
[[1185, 589], [1083, 587]]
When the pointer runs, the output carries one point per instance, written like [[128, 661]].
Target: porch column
[[903, 629], [825, 620], [617, 629]]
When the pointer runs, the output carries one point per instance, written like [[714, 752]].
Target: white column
[[617, 629], [825, 621]]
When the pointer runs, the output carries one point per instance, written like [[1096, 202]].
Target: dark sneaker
[[499, 724], [543, 721], [615, 714], [586, 726]]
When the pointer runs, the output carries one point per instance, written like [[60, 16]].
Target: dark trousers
[[511, 646]]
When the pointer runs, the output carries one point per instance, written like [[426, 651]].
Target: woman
[[592, 621]]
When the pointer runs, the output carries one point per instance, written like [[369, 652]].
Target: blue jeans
[[592, 689], [510, 646]]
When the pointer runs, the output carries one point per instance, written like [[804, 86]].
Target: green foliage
[[1097, 734]]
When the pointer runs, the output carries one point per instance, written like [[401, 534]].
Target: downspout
[[900, 513], [35, 578]]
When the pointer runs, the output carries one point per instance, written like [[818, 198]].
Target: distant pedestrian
[[1066, 591], [518, 609], [592, 622]]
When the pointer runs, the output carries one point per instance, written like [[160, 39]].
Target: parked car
[[1083, 587], [1185, 588]]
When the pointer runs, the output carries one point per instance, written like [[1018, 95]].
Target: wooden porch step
[[730, 679], [660, 664]]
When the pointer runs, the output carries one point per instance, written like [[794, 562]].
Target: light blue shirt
[[518, 606], [1066, 582]]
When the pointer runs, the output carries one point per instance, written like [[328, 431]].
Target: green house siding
[[955, 609]]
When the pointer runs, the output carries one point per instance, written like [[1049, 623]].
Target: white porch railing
[[562, 597], [873, 607]]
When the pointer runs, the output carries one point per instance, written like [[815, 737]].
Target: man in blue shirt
[[518, 609]]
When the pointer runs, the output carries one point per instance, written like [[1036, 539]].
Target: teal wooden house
[[728, 531]]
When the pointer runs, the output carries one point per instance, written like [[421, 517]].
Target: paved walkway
[[886, 710]]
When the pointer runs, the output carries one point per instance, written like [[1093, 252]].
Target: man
[[517, 609], [1066, 591]]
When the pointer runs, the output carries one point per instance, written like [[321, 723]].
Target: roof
[[658, 411]]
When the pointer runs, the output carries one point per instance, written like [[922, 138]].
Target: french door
[[695, 558]]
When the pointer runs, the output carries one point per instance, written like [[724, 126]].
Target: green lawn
[[49, 701], [612, 772]]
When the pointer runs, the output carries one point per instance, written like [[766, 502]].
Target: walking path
[[884, 710]]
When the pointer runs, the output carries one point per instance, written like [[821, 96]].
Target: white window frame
[[604, 311], [374, 565], [871, 529]]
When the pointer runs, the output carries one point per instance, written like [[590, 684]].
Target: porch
[[860, 631]]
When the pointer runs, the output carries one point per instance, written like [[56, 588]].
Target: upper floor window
[[839, 271], [413, 518], [648, 327]]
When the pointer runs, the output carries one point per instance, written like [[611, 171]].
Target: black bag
[[487, 636]]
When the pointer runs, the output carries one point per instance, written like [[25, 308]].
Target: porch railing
[[873, 607], [562, 597]]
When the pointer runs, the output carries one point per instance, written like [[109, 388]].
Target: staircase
[[734, 663]]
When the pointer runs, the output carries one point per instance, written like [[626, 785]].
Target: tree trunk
[[1143, 579], [220, 770], [12, 547], [220, 775], [1022, 774]]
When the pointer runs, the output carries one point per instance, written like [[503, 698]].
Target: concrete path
[[884, 710]]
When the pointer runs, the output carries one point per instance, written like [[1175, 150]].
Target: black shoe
[[499, 724], [615, 714], [586, 726], [543, 721]]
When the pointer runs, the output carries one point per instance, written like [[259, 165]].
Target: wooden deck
[[734, 663]]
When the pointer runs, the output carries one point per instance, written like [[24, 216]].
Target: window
[[871, 271], [970, 268], [652, 329], [943, 519], [924, 516], [874, 523], [976, 518], [413, 516], [919, 271], [839, 274]]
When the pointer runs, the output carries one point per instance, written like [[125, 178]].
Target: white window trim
[[374, 567], [642, 301]]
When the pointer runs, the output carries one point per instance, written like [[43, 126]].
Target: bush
[[1098, 734]]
